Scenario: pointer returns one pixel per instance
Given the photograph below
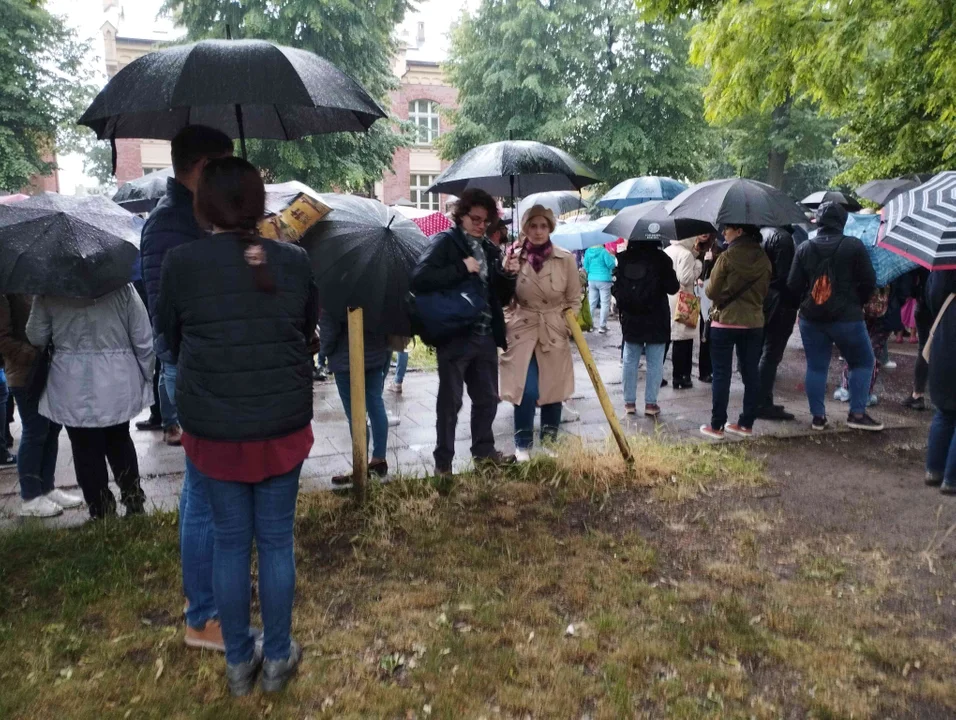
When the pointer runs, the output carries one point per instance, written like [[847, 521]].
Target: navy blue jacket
[[171, 224], [942, 379]]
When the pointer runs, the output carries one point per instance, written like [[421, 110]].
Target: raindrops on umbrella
[[558, 201], [636, 191], [649, 222], [921, 223], [736, 201], [142, 194], [815, 200]]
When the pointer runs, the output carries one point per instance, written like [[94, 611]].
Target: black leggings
[[924, 323], [682, 354], [92, 449]]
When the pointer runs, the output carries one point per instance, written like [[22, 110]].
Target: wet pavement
[[412, 441]]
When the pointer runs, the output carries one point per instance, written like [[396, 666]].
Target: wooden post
[[357, 390], [598, 385]]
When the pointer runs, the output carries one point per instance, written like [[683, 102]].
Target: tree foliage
[[590, 76], [352, 34], [43, 88]]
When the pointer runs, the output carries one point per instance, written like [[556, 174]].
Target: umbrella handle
[[242, 131]]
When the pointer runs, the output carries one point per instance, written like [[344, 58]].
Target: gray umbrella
[[649, 222], [514, 168], [815, 200], [736, 201], [67, 246], [558, 201], [142, 194], [245, 88], [882, 191]]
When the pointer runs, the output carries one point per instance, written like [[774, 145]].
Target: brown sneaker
[[209, 638], [173, 436]]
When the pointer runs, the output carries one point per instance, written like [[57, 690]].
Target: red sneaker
[[708, 431], [740, 430]]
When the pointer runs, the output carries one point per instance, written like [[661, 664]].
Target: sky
[[87, 17]]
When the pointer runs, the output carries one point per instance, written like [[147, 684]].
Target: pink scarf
[[537, 254]]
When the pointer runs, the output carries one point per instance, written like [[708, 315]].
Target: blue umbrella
[[887, 265], [579, 236], [641, 190]]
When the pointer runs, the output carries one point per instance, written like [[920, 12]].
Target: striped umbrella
[[921, 223]]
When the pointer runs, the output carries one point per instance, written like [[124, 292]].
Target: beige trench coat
[[535, 326]]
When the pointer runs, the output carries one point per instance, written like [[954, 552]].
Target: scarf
[[537, 254]]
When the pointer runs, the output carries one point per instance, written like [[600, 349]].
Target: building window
[[422, 199], [424, 113]]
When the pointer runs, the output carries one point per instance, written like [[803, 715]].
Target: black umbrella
[[736, 201], [142, 194], [815, 200], [649, 222], [363, 254], [514, 168], [67, 246], [882, 191], [921, 223], [246, 88]]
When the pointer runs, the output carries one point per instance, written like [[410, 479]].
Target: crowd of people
[[220, 340]]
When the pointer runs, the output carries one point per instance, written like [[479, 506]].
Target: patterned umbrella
[[921, 223], [433, 224], [635, 191], [887, 266]]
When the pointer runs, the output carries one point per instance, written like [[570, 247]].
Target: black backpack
[[821, 303], [635, 288]]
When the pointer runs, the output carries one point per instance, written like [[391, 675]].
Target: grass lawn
[[564, 589]]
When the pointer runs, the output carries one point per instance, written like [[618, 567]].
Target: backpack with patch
[[635, 288], [820, 303]]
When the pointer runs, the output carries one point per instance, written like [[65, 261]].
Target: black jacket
[[646, 262], [779, 246], [244, 367], [942, 379], [442, 267], [853, 276]]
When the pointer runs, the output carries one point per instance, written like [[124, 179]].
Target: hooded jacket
[[742, 270], [852, 272], [646, 263], [599, 264], [780, 248]]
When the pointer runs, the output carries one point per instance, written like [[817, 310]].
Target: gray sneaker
[[242, 677], [277, 673]]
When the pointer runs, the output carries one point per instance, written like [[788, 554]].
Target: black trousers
[[704, 366], [92, 449], [471, 362], [682, 354], [154, 411], [775, 336], [924, 323]]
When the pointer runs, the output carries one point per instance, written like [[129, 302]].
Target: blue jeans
[[524, 413], [600, 290], [654, 375], [374, 406], [749, 345], [39, 446], [401, 366], [168, 408], [4, 394], [854, 344], [941, 453], [264, 511], [196, 548]]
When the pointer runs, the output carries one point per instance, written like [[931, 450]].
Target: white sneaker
[[890, 365], [522, 456], [548, 452], [40, 507], [64, 499]]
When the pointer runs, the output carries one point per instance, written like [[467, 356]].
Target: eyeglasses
[[479, 220]]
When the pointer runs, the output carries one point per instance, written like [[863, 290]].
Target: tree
[[43, 88], [353, 35], [589, 76]]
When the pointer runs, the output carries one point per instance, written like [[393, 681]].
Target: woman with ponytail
[[239, 312]]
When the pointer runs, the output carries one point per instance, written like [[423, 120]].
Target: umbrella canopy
[[558, 201], [279, 195], [736, 201], [433, 224], [635, 191], [363, 254], [649, 222], [67, 246], [921, 223], [245, 88], [142, 194], [514, 168], [17, 197], [888, 266], [815, 200], [579, 236], [882, 191]]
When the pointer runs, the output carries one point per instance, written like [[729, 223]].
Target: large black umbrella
[[514, 168], [246, 88], [649, 222], [921, 223], [142, 194], [815, 200], [67, 246], [882, 191], [736, 201], [363, 254]]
